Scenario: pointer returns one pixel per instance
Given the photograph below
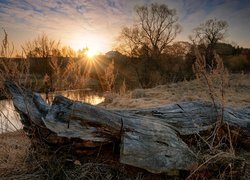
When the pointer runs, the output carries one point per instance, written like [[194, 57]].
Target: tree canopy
[[207, 35], [42, 46], [155, 28]]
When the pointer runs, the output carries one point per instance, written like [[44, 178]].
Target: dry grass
[[19, 161], [14, 149], [237, 94]]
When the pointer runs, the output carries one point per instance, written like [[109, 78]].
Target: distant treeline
[[169, 67], [176, 65]]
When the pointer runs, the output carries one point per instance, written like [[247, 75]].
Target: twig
[[217, 127], [9, 120], [204, 141], [121, 129], [204, 164], [230, 140], [99, 151], [71, 114]]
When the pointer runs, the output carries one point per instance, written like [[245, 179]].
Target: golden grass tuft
[[14, 150]]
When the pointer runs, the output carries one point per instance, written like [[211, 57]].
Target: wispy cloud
[[64, 19], [235, 12]]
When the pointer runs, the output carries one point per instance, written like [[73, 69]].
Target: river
[[10, 120]]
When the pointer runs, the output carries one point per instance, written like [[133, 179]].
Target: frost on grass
[[237, 94]]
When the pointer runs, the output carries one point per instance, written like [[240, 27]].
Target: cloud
[[64, 19], [234, 12]]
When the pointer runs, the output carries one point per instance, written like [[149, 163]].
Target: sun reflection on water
[[10, 119], [83, 96]]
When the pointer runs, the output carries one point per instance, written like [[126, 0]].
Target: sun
[[91, 53], [94, 44]]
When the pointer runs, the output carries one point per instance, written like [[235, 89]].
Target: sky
[[97, 23]]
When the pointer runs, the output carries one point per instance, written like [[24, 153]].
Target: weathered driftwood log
[[149, 138]]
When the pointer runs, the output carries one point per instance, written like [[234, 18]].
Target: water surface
[[10, 119]]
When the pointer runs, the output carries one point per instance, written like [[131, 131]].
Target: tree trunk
[[150, 139]]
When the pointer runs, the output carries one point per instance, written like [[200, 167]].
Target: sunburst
[[91, 53]]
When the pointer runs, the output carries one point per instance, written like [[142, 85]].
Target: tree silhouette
[[208, 34], [42, 47], [155, 28]]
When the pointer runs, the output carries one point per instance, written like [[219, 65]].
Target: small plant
[[215, 77], [123, 88], [68, 75], [57, 70], [11, 68], [109, 76]]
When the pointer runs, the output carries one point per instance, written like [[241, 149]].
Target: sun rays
[[91, 53]]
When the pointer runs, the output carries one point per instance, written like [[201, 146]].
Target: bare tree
[[109, 77], [208, 34], [155, 28], [180, 48], [42, 46]]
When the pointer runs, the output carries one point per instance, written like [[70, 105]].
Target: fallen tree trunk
[[150, 139]]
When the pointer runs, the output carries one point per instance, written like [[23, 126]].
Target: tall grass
[[10, 68], [74, 74], [109, 77], [216, 78]]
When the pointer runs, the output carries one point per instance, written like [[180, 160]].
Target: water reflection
[[86, 96], [10, 119]]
